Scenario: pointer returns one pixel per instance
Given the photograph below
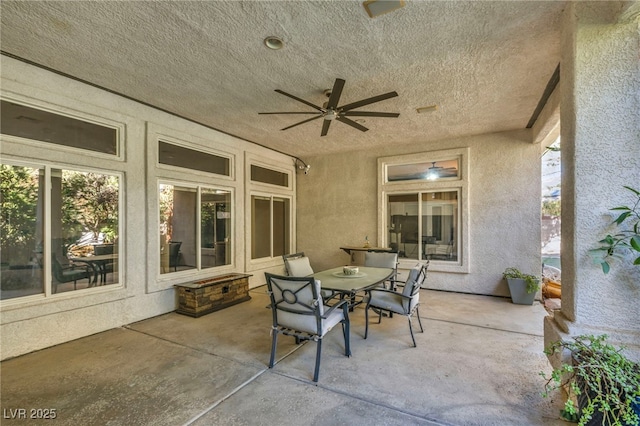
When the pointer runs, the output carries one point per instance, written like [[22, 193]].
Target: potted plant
[[603, 385], [626, 240], [523, 287]]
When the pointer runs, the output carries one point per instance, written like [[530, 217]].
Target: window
[[424, 225], [270, 198], [26, 122], [71, 236], [270, 226], [195, 227], [273, 177], [430, 171], [174, 155], [423, 208]]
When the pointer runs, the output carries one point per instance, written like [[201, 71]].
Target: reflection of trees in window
[[18, 204], [207, 225], [166, 211], [83, 210], [90, 204]]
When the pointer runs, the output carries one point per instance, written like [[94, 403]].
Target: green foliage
[[90, 202], [18, 206], [533, 282], [551, 208], [626, 240], [601, 376]]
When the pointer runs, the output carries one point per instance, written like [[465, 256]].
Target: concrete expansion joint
[[481, 326], [224, 398]]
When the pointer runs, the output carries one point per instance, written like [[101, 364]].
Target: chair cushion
[[334, 318], [411, 280], [387, 301], [381, 260], [299, 267], [298, 321]]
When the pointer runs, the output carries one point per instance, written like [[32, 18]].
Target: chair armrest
[[343, 303], [85, 266], [384, 290]]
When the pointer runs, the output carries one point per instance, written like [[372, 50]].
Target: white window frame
[[271, 197], [173, 175], [197, 271], [70, 113], [195, 147], [262, 189], [46, 260], [459, 184]]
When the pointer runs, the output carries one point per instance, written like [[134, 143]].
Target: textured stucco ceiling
[[485, 64]]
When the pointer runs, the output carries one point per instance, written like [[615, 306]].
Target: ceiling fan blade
[[371, 114], [352, 123], [287, 112], [335, 93], [325, 127], [299, 100], [369, 101], [302, 122]]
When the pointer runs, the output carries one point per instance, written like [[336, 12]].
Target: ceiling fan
[[331, 111]]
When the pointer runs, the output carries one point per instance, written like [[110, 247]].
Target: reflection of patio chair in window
[[443, 251], [106, 266], [298, 310], [174, 254], [67, 273]]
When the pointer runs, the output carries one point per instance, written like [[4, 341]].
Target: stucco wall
[[337, 205], [28, 324], [600, 110]]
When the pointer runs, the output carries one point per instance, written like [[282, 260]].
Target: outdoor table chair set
[[300, 300]]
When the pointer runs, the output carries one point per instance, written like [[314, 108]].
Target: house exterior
[[263, 207]]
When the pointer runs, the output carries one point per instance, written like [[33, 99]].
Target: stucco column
[[600, 130]]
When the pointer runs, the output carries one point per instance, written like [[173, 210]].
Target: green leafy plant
[[603, 381], [625, 241], [533, 283]]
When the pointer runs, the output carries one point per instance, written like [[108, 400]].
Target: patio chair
[[443, 251], [297, 265], [174, 254], [378, 259], [404, 303], [106, 266], [70, 272], [298, 310]]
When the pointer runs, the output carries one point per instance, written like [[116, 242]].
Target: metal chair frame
[[417, 284], [288, 301]]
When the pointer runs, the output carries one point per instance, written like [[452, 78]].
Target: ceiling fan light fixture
[[376, 8], [274, 43], [331, 115]]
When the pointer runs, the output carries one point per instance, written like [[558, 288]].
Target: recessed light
[[376, 8], [274, 43]]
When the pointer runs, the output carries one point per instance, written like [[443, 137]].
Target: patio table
[[98, 264], [349, 285]]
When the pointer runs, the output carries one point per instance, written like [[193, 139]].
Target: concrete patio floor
[[476, 363]]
